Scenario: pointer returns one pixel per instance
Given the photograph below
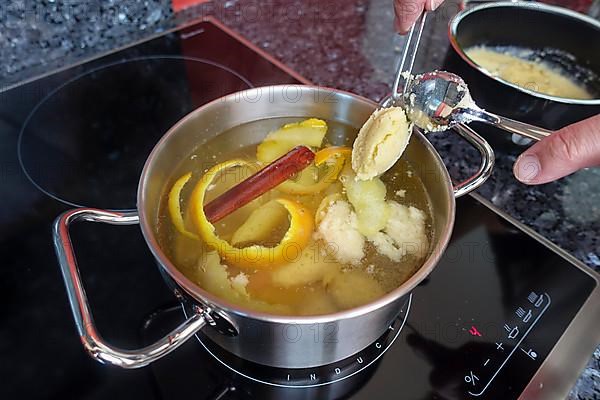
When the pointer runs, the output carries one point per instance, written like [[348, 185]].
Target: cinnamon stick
[[261, 182]]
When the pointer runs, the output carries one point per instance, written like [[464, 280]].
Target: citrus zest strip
[[327, 153], [252, 257], [335, 156], [175, 207]]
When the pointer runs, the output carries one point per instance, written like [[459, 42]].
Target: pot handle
[[90, 338], [487, 161]]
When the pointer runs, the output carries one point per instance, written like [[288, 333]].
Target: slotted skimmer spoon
[[440, 100]]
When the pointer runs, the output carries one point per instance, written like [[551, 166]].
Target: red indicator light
[[474, 332]]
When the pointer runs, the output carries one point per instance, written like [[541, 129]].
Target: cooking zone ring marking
[[38, 183], [401, 321]]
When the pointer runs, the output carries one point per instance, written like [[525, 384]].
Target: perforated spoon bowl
[[439, 100]]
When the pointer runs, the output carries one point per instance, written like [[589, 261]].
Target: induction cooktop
[[505, 315]]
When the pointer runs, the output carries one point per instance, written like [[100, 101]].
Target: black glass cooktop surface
[[480, 326]]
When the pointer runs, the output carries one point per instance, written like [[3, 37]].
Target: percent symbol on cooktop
[[471, 378]]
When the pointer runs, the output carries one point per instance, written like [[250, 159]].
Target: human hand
[[407, 12], [565, 151]]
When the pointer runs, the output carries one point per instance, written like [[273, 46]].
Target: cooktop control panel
[[491, 312], [510, 339]]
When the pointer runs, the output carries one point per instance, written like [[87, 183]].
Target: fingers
[[407, 12], [564, 152]]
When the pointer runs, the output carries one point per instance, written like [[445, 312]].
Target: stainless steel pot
[[280, 341]]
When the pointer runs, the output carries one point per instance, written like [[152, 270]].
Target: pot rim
[[207, 298], [541, 7]]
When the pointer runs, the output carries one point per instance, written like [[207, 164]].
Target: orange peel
[[175, 207], [253, 257], [335, 157]]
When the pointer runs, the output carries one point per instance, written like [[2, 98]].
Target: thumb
[[407, 12], [565, 151]]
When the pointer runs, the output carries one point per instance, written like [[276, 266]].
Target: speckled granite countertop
[[340, 43]]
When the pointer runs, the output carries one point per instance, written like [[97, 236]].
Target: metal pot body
[[280, 341], [293, 344], [530, 25]]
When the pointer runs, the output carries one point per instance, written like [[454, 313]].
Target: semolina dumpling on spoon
[[380, 142]]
